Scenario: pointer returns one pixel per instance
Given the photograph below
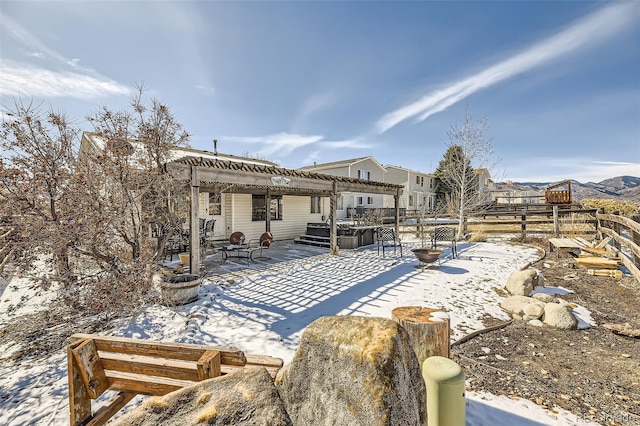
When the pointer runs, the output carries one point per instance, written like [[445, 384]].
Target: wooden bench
[[132, 366]]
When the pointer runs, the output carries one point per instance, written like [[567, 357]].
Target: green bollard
[[446, 404]]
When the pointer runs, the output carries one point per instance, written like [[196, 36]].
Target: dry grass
[[626, 208], [576, 225]]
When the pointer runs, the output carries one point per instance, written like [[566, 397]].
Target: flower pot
[[184, 258], [181, 289]]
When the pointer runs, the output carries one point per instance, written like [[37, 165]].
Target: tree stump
[[428, 330]]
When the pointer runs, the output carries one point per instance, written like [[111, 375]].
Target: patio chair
[[447, 234], [387, 238], [264, 242], [206, 234], [237, 238]]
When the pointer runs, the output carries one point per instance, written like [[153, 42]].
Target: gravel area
[[594, 373]]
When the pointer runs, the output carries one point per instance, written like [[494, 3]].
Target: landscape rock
[[560, 316], [246, 397], [536, 323], [534, 310], [544, 297], [354, 370], [515, 305], [522, 283]]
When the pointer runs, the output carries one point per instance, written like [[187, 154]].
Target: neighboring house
[[419, 188], [485, 184], [366, 168]]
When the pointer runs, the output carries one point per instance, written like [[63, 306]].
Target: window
[[258, 207], [369, 200], [421, 180], [315, 205], [364, 174], [417, 180], [431, 183], [410, 200], [215, 205], [359, 201], [340, 203]]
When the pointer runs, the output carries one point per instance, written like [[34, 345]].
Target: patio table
[[240, 251]]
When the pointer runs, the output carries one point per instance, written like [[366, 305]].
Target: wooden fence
[[556, 222], [614, 226]]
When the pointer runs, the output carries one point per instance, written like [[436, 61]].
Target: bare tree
[[464, 168], [82, 215]]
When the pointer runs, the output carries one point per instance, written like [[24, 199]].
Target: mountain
[[620, 188]]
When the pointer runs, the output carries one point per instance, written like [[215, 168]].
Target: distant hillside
[[619, 188]]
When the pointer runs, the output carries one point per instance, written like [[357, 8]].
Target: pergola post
[[333, 232], [396, 206], [194, 224], [267, 217]]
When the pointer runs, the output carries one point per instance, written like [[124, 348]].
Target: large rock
[[515, 305], [559, 315], [247, 397], [522, 283], [354, 371], [534, 310], [544, 297]]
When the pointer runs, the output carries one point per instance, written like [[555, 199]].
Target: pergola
[[244, 177]]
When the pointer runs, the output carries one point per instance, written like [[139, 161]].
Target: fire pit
[[427, 256]]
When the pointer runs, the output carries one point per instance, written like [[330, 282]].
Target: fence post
[[616, 227], [598, 233], [556, 222], [523, 225], [635, 237]]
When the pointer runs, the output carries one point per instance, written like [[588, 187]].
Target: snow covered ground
[[263, 309]]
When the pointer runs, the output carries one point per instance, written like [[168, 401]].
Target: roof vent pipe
[[215, 147]]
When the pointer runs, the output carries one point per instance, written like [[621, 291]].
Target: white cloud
[[348, 143], [209, 90], [19, 79], [590, 30], [281, 143], [284, 143]]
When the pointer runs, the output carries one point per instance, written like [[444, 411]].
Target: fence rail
[[613, 226], [556, 222]]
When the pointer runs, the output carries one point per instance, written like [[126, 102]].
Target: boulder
[[544, 297], [352, 370], [522, 283], [515, 304], [560, 316], [246, 397], [534, 310], [536, 323]]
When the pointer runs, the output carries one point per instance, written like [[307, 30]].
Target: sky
[[304, 82]]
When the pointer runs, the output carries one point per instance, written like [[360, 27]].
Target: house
[[419, 188], [365, 168], [253, 196], [486, 185]]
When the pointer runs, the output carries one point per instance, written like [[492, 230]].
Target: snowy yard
[[264, 311]]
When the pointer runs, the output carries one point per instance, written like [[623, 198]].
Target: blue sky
[[298, 82]]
